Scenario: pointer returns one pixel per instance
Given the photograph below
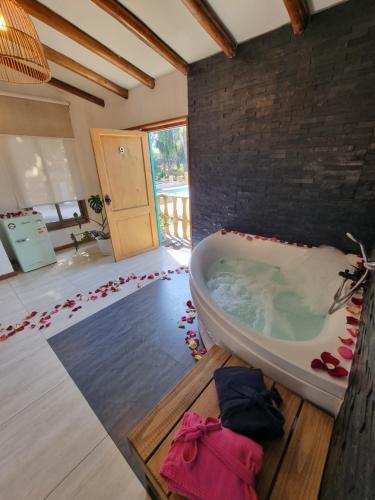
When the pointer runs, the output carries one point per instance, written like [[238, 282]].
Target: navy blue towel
[[246, 405]]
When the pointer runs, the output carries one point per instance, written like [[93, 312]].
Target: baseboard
[[8, 275]]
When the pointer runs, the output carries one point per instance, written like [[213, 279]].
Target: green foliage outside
[[169, 152]]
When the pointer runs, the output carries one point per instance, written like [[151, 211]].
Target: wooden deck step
[[293, 465]]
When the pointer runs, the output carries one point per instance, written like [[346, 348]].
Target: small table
[[293, 465]]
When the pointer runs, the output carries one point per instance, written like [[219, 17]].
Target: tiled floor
[[51, 443]]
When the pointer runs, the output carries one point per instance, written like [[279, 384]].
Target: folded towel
[[246, 405]]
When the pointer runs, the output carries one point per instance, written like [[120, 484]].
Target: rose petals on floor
[[43, 320], [191, 339]]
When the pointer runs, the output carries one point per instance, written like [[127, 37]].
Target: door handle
[[107, 200], [23, 240]]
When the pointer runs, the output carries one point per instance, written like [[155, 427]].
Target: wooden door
[[124, 170]]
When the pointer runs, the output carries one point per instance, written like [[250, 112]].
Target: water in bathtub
[[288, 302]]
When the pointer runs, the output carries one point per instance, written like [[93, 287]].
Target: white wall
[[167, 100]]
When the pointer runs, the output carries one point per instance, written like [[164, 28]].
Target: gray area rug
[[127, 356]]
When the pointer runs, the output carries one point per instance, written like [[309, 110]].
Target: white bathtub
[[287, 362]]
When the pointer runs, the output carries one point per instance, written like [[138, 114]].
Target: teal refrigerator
[[27, 238]]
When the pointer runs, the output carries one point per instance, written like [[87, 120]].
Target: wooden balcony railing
[[175, 212]]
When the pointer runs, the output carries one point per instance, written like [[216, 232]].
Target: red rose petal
[[327, 357], [346, 341], [338, 371], [356, 301], [345, 352], [350, 320], [317, 363], [354, 332]]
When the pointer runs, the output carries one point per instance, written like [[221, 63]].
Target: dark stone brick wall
[[282, 137]]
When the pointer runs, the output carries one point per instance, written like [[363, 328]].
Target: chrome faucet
[[358, 278]]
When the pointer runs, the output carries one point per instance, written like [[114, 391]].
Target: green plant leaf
[[96, 203]]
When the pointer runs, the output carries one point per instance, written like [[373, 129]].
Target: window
[[60, 215]]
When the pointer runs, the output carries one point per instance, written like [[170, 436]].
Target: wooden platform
[[293, 465]]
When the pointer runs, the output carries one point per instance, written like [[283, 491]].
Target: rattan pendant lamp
[[21, 54]]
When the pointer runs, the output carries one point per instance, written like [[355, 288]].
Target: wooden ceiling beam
[[76, 91], [298, 13], [68, 63], [143, 32], [211, 23], [48, 16]]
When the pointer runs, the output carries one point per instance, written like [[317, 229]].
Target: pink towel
[[209, 462]]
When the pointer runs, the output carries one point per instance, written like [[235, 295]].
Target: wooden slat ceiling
[[176, 35]]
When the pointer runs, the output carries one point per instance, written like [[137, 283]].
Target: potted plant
[[101, 235]]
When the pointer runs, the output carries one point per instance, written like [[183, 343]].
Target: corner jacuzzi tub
[[267, 301]]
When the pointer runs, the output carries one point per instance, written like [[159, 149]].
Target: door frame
[[163, 125]]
